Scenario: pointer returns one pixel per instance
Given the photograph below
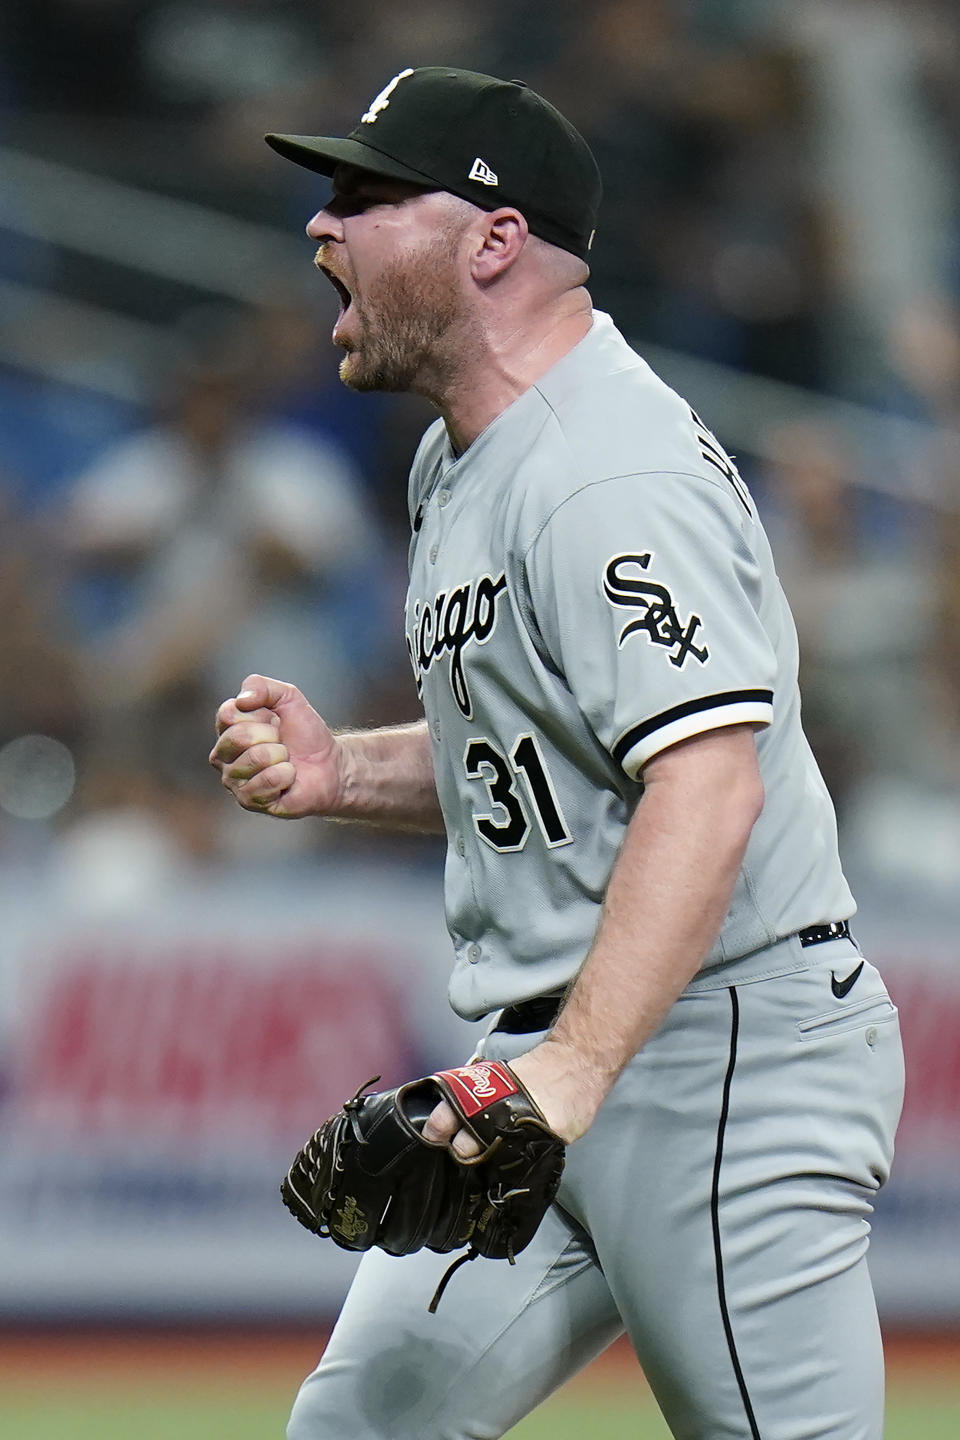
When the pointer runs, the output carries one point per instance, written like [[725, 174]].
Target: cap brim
[[324, 153]]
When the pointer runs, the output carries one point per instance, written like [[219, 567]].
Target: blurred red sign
[[928, 998], [197, 1038]]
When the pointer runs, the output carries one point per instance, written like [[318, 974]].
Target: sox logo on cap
[[383, 99]]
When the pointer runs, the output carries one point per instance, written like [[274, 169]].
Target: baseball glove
[[368, 1177]]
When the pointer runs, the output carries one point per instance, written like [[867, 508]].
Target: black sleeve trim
[[680, 712]]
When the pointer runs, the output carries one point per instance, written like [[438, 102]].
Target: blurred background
[[189, 495]]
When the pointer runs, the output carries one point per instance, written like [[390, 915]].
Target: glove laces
[[471, 1254]]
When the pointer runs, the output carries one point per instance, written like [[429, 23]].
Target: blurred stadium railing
[[204, 249]]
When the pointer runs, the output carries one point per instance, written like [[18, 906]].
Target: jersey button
[[434, 552], [443, 499], [473, 953], [461, 845]]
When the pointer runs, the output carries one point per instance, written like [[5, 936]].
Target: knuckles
[[254, 765], [256, 758], [263, 787], [239, 739], [229, 715]]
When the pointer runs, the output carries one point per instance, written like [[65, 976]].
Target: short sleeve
[[647, 593]]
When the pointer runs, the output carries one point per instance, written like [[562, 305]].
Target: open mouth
[[345, 297], [338, 285], [341, 289]]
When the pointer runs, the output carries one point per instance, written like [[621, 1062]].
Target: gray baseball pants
[[717, 1211]]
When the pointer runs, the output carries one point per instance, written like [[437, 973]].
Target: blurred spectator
[[225, 50], [923, 359], [862, 604], [213, 543], [882, 161], [705, 240], [904, 821], [943, 752], [45, 698], [947, 639], [41, 704]]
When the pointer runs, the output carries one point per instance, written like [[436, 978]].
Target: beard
[[403, 317]]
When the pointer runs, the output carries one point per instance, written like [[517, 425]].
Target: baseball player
[[642, 881]]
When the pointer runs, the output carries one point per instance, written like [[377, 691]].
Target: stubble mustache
[[321, 261]]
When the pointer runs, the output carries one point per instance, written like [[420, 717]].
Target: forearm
[[388, 778], [668, 895]]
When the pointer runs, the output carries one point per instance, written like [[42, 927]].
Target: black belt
[[540, 1013], [817, 934], [529, 1015]]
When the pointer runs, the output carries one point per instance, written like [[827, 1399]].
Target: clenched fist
[[274, 752]]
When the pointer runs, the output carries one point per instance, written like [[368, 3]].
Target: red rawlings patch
[[479, 1086]]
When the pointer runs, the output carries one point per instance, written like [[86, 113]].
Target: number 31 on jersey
[[516, 785]]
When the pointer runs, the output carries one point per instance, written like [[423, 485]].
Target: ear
[[499, 238]]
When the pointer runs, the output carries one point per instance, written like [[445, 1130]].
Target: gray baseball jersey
[[589, 583]]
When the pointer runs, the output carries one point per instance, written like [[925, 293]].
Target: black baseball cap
[[494, 142]]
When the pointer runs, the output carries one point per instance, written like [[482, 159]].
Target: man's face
[[390, 250]]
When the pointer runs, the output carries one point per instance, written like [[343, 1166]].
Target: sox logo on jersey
[[467, 614], [659, 621]]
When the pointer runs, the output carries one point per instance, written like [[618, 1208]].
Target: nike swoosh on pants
[[841, 988]]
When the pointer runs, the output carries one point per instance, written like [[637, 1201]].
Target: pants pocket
[[874, 1010]]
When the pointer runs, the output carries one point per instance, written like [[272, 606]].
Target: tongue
[[340, 320]]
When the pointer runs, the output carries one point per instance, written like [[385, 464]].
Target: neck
[[503, 362]]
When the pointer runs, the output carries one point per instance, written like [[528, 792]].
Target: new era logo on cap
[[481, 171]]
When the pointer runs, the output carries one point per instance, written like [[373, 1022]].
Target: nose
[[325, 226]]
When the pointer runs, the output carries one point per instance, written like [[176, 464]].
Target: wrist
[[567, 1090], [594, 1068], [586, 1073], [345, 758]]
